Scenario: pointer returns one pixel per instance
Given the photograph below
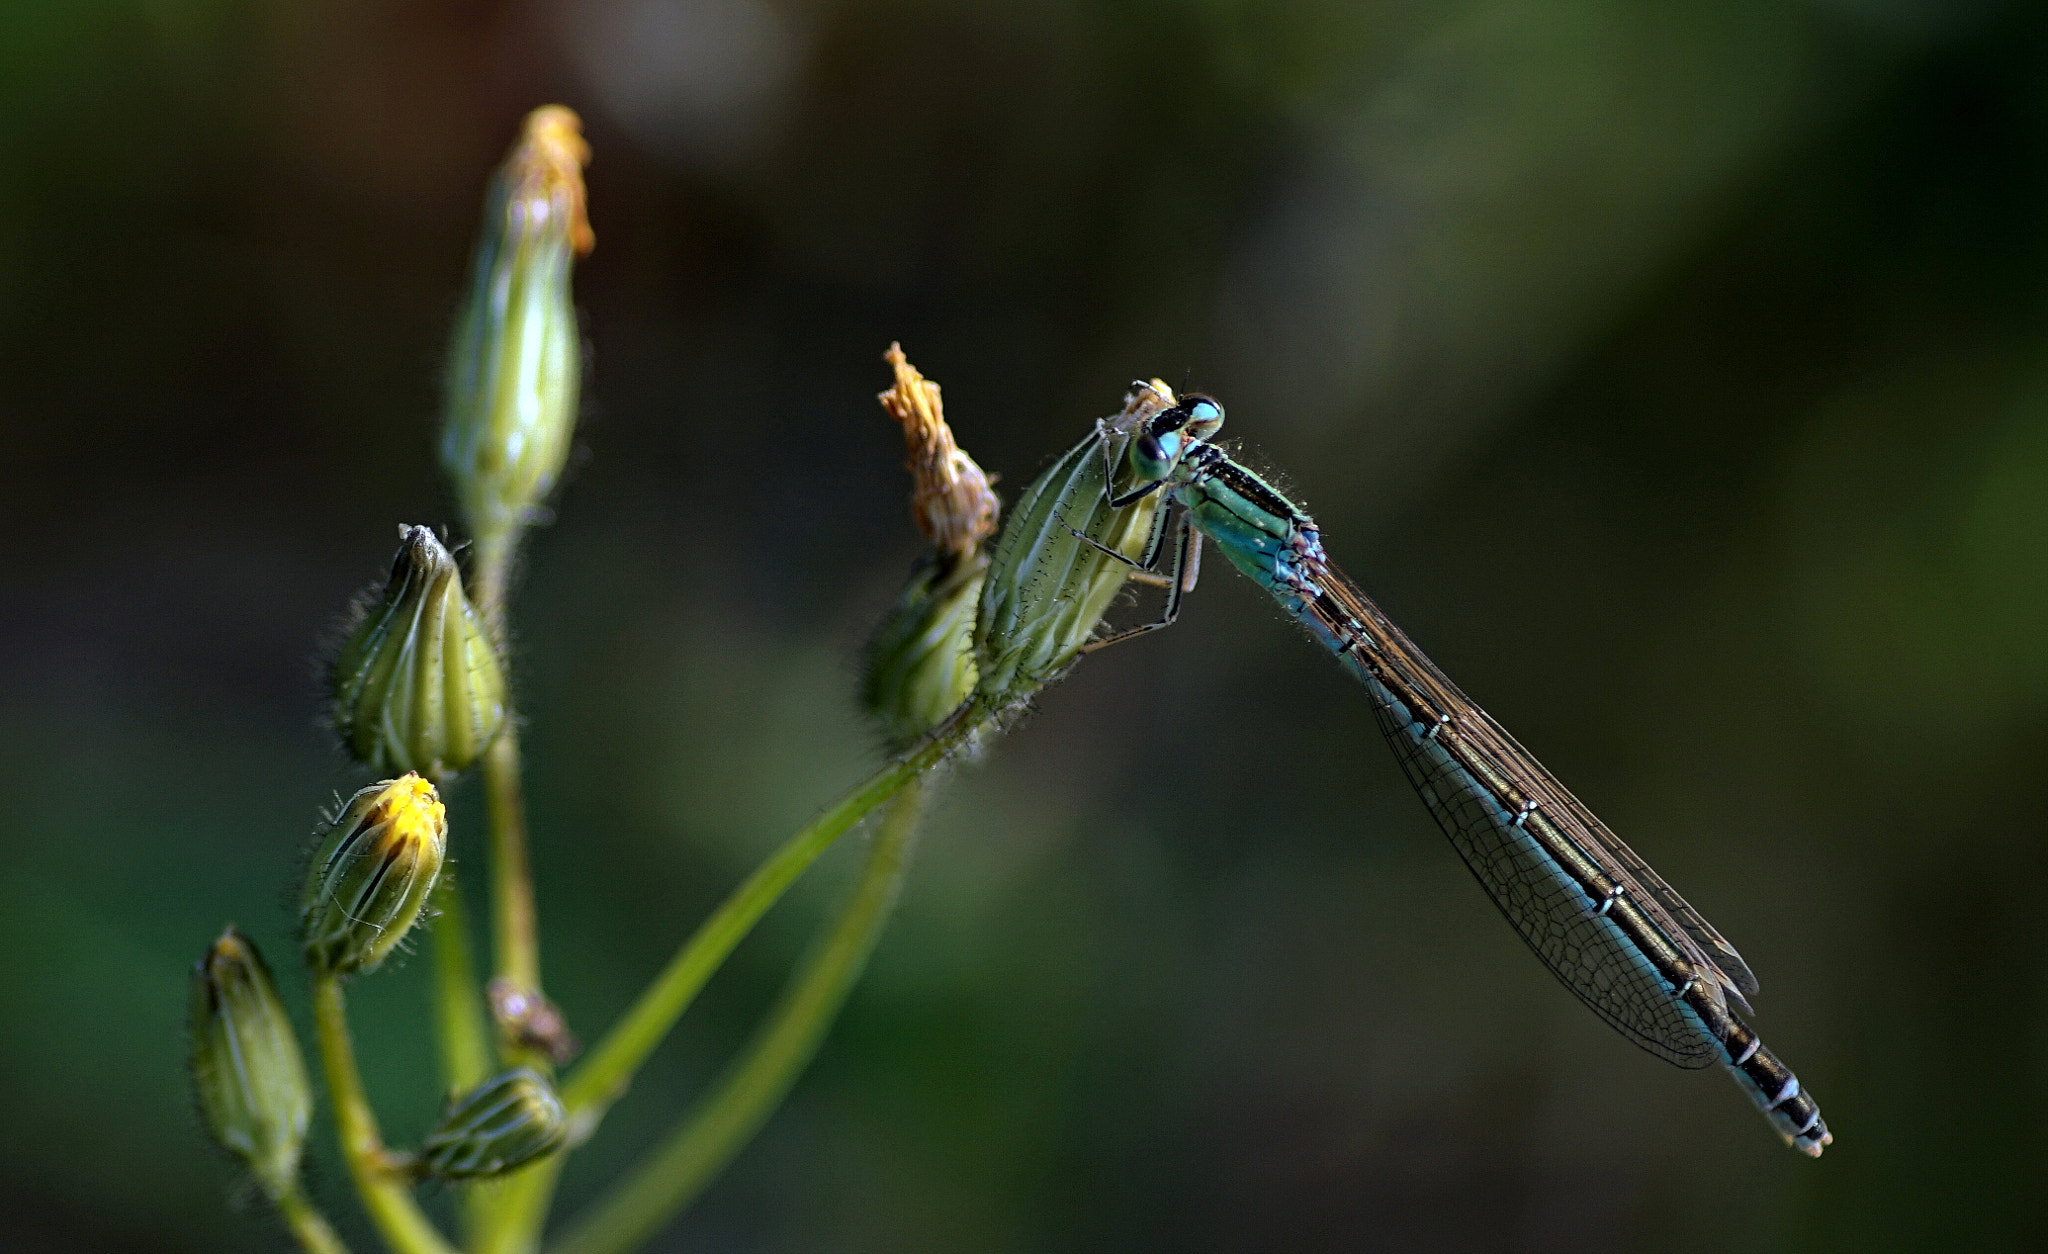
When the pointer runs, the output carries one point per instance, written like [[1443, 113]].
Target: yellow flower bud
[[417, 685], [371, 875], [515, 365], [246, 1069]]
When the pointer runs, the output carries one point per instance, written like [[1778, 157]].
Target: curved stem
[[607, 1069], [307, 1225], [384, 1191], [725, 1120]]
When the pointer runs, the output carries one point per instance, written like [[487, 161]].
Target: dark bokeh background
[[1678, 374]]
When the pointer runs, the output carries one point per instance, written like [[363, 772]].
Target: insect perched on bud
[[920, 662], [417, 685], [371, 875], [514, 366], [1051, 574], [506, 1122], [246, 1069]]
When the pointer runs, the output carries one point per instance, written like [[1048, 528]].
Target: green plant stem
[[460, 1026], [515, 929], [513, 923], [383, 1189], [608, 1068], [727, 1118], [461, 1029], [307, 1225], [491, 574]]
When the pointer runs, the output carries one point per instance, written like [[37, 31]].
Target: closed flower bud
[[417, 685], [246, 1069], [921, 660], [503, 1123], [514, 367], [1046, 589], [920, 663], [371, 875]]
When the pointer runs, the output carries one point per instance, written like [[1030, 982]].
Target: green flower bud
[[371, 875], [920, 663], [514, 366], [246, 1069], [417, 686], [503, 1123], [1046, 590], [921, 659]]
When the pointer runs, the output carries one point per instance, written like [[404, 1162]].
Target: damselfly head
[[1200, 417], [1157, 449]]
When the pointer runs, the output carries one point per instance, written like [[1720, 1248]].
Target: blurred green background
[[1676, 374]]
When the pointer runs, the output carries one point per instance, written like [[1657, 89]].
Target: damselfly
[[1605, 924]]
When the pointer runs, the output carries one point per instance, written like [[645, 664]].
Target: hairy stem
[[383, 1189], [307, 1225], [727, 1118], [513, 926], [515, 930], [459, 1023], [461, 1029]]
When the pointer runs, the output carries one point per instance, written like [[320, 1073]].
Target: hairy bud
[[503, 1123], [246, 1068], [417, 685], [371, 875]]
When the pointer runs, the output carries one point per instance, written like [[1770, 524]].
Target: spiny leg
[[1187, 564], [1147, 563]]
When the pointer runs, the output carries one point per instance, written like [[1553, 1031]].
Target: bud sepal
[[502, 1124]]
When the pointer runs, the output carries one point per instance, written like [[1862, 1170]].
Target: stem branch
[[513, 925], [727, 1118], [607, 1069]]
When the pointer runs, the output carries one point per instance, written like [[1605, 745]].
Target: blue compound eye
[[1150, 456], [1204, 416]]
